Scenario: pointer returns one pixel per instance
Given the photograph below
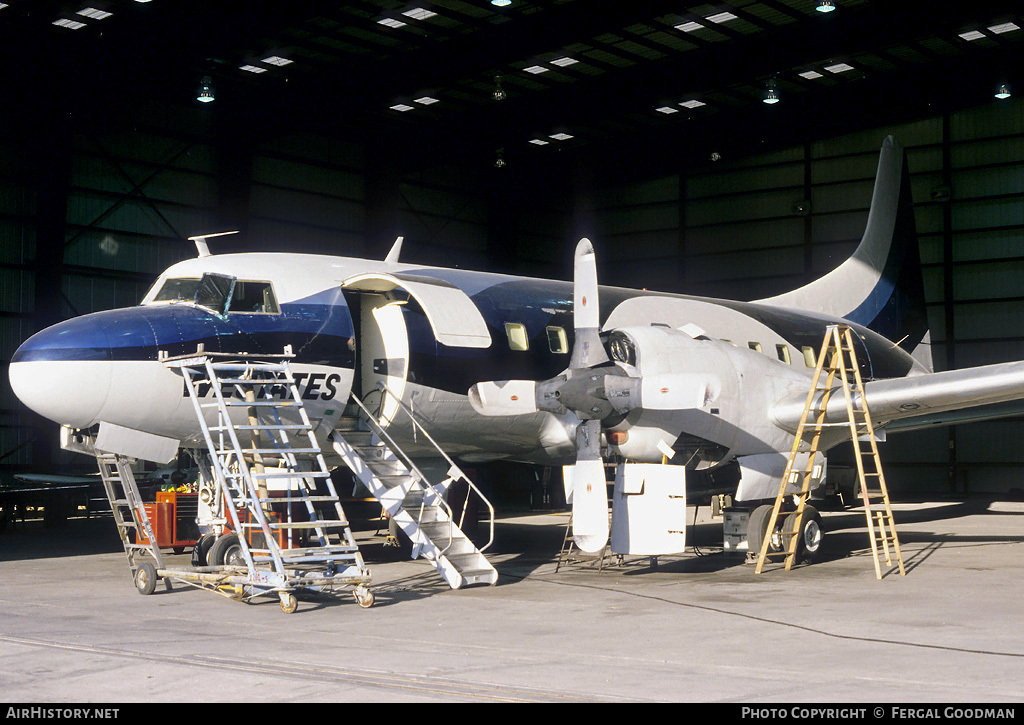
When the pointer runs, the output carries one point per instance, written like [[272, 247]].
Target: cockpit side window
[[215, 292], [177, 290], [254, 297]]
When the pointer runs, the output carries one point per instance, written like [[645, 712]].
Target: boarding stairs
[[836, 367], [299, 538], [418, 507], [133, 525]]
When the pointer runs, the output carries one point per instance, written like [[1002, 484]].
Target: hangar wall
[[90, 213]]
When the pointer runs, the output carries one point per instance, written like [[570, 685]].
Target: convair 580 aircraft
[[549, 372]]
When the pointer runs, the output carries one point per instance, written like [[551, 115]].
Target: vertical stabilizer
[[880, 286]]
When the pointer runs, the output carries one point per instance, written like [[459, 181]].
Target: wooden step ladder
[[837, 364]]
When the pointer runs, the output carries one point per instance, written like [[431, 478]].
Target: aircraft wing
[[922, 401], [57, 479]]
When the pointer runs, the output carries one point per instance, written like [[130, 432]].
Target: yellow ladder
[[837, 359]]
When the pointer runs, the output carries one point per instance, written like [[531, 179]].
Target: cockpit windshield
[[221, 293]]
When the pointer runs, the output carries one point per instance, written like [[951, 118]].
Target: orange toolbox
[[173, 518]]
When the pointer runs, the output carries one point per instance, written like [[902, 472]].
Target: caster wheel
[[364, 597], [288, 602], [145, 578]]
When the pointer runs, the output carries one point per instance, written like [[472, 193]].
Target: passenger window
[[783, 353], [755, 346], [557, 341], [517, 339], [809, 359], [254, 297]]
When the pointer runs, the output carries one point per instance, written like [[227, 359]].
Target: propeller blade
[[506, 397], [589, 490], [587, 350]]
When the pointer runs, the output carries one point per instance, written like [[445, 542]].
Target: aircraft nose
[[64, 372]]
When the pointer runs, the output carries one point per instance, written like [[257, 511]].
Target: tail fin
[[880, 286]]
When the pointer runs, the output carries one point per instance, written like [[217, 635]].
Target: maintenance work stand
[[268, 543]]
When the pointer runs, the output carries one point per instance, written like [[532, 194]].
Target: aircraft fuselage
[[347, 336]]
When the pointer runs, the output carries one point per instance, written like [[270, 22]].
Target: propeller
[[594, 388], [582, 390]]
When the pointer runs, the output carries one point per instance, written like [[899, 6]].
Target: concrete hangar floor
[[700, 626]]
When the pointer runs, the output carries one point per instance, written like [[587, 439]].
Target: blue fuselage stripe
[[322, 334]]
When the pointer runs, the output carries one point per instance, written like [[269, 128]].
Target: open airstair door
[[384, 339]]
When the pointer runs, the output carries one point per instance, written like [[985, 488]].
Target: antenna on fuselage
[[396, 249], [202, 247]]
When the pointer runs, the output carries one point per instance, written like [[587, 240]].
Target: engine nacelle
[[689, 395]]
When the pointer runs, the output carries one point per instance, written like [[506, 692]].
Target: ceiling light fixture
[[205, 94], [498, 94], [391, 23], [499, 162], [535, 69], [810, 74], [94, 13], [720, 17], [689, 27], [401, 107], [1003, 28], [825, 6], [419, 14], [560, 136], [667, 110], [972, 35], [562, 62], [771, 94], [1003, 91], [277, 60], [252, 68], [70, 24], [692, 103], [501, 3], [425, 100]]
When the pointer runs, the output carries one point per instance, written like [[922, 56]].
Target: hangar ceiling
[[643, 83]]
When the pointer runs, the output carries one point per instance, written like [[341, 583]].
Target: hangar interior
[[493, 135]]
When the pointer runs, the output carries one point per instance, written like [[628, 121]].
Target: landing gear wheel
[[808, 545], [757, 529], [226, 551], [145, 578], [364, 597], [201, 550], [288, 602]]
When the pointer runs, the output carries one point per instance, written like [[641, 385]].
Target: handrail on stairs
[[453, 467], [455, 473], [413, 468]]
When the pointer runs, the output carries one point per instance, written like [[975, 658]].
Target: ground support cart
[[256, 431]]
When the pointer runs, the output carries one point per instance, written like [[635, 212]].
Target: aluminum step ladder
[[133, 525], [301, 538], [418, 507], [836, 366]]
